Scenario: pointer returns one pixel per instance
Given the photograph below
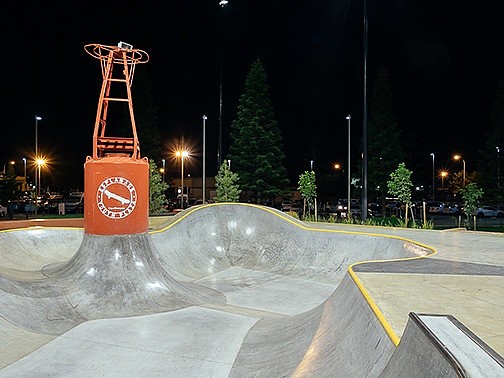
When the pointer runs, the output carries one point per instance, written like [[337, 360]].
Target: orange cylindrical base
[[116, 196]]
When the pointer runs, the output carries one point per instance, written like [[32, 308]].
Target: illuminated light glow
[[36, 232], [91, 272], [117, 255], [155, 285], [219, 249], [249, 231]]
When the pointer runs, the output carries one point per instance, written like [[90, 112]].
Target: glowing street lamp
[[37, 179], [182, 155], [12, 162], [458, 157], [24, 166], [443, 174], [40, 163]]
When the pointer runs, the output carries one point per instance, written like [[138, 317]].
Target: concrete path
[[235, 290]]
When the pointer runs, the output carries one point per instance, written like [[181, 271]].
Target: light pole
[[433, 178], [37, 178], [222, 4], [443, 174], [12, 162], [182, 155], [40, 163], [348, 117], [364, 121], [498, 166], [164, 169], [204, 157], [458, 157], [24, 166]]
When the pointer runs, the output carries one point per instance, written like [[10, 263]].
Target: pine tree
[[385, 151], [256, 141], [227, 189]]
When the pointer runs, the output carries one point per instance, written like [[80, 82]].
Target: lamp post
[[12, 162], [24, 167], [40, 163], [433, 178], [458, 157], [498, 166], [443, 174], [364, 121], [222, 4], [204, 157], [164, 169], [348, 117], [37, 177], [182, 155]]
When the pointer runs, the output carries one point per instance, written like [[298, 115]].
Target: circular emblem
[[116, 197]]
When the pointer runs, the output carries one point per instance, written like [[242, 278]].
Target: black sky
[[444, 61]]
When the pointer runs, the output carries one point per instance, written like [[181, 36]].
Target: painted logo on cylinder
[[116, 197]]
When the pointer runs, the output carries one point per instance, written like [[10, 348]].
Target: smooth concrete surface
[[235, 290]]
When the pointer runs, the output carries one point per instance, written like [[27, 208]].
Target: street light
[[365, 121], [163, 169], [222, 4], [458, 157], [204, 157], [12, 162], [40, 163], [498, 166], [37, 179], [443, 174], [182, 155], [348, 117], [433, 178], [24, 166]]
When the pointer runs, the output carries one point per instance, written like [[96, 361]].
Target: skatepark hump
[[222, 290]]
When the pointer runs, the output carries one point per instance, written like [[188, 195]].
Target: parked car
[[452, 208], [286, 205], [489, 211]]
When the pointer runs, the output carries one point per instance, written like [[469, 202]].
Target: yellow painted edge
[[40, 227]]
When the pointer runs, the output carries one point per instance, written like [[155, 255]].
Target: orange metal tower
[[116, 177]]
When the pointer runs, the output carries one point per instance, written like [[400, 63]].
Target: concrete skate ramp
[[212, 238], [444, 348], [254, 262]]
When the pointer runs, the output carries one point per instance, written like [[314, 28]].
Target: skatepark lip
[[293, 284]]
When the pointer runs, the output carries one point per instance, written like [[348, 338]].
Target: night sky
[[444, 62]]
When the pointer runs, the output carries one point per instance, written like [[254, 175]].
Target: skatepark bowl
[[223, 290]]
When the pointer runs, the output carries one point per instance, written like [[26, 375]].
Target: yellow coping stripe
[[379, 315], [40, 227]]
